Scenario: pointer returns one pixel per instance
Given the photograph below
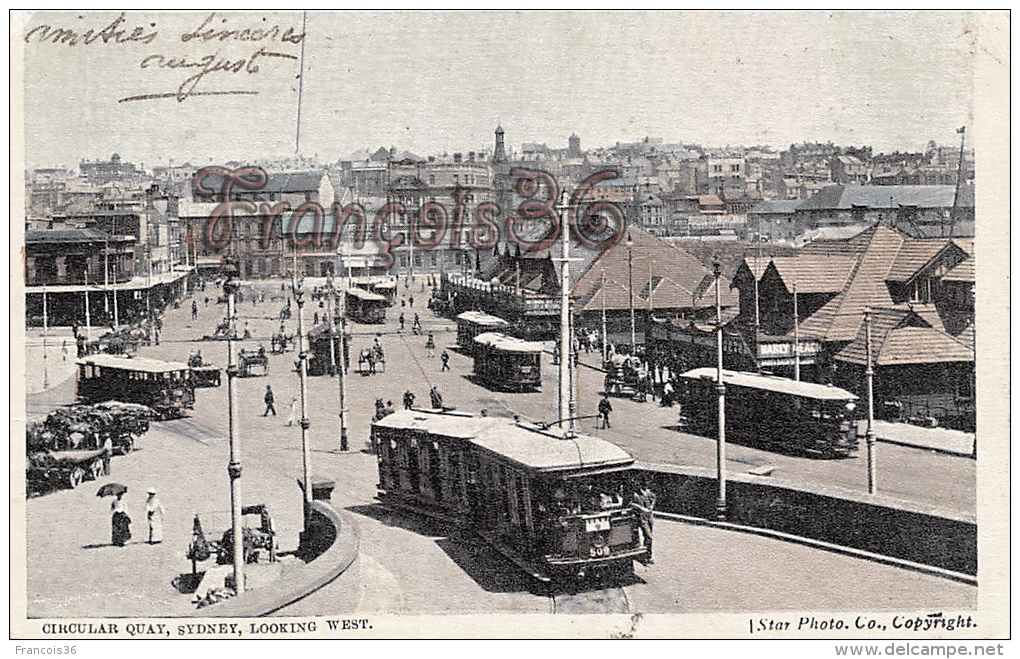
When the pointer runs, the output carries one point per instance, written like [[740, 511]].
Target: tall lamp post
[[720, 388], [45, 334], [88, 313], [630, 291], [302, 375], [566, 408], [234, 466], [605, 336], [869, 375], [796, 335], [333, 361]]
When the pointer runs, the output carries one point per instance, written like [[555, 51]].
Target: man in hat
[[154, 513], [445, 357]]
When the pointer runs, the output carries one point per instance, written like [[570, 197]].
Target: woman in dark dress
[[121, 522]]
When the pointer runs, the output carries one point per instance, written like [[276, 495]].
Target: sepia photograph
[[510, 324]]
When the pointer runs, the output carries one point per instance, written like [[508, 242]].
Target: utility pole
[[630, 289], [234, 466], [565, 410], [88, 313], [106, 279], [605, 336], [336, 363], [796, 336], [302, 374], [116, 313], [869, 375], [720, 388], [45, 334]]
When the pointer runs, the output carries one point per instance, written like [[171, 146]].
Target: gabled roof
[[840, 318], [676, 277], [901, 338], [915, 255], [813, 273]]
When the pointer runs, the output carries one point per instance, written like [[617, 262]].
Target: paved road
[[407, 566]]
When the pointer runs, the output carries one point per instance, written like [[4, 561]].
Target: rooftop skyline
[[441, 81]]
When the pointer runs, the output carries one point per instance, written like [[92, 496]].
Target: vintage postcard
[[420, 324]]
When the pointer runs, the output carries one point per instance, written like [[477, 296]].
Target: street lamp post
[[720, 387], [88, 313], [796, 336], [566, 399], [630, 287], [869, 375], [302, 375], [45, 333], [338, 364], [234, 466], [605, 336]]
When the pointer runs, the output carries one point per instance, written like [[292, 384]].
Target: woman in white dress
[[154, 512]]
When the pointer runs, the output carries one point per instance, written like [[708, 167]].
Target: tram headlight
[[850, 407]]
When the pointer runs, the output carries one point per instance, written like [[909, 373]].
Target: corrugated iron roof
[[846, 197], [132, 363], [39, 236], [545, 452], [508, 343]]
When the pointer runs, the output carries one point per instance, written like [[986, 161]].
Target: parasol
[[111, 489]]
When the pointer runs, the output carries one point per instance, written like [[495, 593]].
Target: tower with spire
[[501, 174]]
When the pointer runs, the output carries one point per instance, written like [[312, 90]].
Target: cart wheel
[[96, 470], [128, 446], [75, 478]]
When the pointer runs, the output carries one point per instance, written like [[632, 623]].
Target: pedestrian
[[430, 347], [269, 400], [410, 301], [315, 318], [156, 334], [154, 514], [445, 357], [120, 522], [667, 394], [194, 310], [401, 320], [63, 349], [416, 325], [408, 399], [403, 303], [437, 398], [605, 407], [247, 332], [207, 300], [643, 502], [293, 411]]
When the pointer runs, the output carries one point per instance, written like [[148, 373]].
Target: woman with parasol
[[120, 520]]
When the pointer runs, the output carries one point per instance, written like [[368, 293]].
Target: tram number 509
[[599, 552]]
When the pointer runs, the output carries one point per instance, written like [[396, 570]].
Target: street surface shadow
[[424, 526], [186, 583], [789, 451], [487, 567]]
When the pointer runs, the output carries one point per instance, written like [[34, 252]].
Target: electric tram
[[789, 415], [472, 323], [557, 507], [504, 362], [365, 307], [166, 387]]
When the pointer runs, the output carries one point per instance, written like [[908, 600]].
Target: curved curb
[[307, 579], [824, 546]]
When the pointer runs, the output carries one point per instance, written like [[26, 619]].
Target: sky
[[441, 81]]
